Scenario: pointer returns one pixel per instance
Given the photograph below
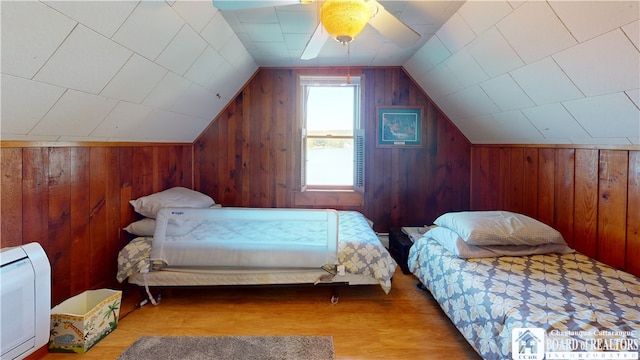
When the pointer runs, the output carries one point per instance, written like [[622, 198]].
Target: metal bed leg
[[334, 295]]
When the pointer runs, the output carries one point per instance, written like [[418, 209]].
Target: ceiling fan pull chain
[[348, 63]]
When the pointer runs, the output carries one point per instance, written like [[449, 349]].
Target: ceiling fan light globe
[[344, 19]]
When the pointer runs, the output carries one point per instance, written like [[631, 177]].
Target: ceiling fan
[[341, 20]]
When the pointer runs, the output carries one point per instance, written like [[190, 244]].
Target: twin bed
[[186, 240], [516, 291]]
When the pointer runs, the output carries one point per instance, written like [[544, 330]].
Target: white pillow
[[147, 227], [450, 240], [499, 228], [148, 206]]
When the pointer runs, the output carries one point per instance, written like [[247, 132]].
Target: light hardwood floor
[[365, 323]]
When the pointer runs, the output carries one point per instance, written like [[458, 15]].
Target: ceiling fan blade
[[225, 5], [390, 26], [315, 44]]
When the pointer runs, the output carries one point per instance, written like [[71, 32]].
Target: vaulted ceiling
[[504, 71]]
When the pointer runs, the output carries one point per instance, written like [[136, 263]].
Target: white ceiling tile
[[601, 141], [135, 80], [514, 126], [122, 121], [492, 51], [478, 129], [182, 51], [24, 103], [605, 64], [466, 68], [163, 125], [428, 12], [634, 95], [104, 17], [441, 81], [295, 41], [86, 61], [506, 93], [197, 101], [170, 88], [588, 19], [432, 53], [606, 116], [473, 102], [149, 28], [204, 67], [633, 33], [455, 33], [219, 82], [233, 50], [535, 31], [297, 22], [31, 32], [19, 137], [217, 32], [264, 32], [554, 121], [246, 66], [545, 82], [266, 15], [482, 15], [196, 13], [75, 114]]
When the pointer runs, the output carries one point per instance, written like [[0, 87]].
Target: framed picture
[[399, 126]]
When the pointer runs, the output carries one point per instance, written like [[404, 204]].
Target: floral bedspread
[[576, 300], [359, 250]]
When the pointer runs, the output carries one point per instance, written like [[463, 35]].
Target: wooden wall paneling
[[460, 175], [232, 169], [546, 186], [98, 217], [378, 189], [11, 204], [59, 212], [564, 193], [80, 220], [612, 207], [585, 216], [35, 196], [633, 215], [515, 190], [281, 132], [113, 239], [530, 199], [142, 171], [247, 106], [438, 169]]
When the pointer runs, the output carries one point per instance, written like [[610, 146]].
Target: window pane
[[330, 110], [330, 162]]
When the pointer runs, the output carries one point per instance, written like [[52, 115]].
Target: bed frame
[[335, 258]]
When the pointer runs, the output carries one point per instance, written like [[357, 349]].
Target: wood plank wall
[[591, 195], [247, 156], [73, 200]]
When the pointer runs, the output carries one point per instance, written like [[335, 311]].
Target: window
[[332, 141]]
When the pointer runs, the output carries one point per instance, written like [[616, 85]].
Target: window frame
[[304, 81]]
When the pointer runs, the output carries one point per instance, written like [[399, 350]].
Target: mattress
[[570, 303], [245, 237], [364, 257]]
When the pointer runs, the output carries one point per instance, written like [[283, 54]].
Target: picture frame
[[399, 126]]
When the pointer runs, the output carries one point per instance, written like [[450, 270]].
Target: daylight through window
[[331, 150]]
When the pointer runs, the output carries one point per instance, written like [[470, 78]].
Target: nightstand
[[399, 245]]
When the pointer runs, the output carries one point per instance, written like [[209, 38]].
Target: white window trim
[[358, 135]]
